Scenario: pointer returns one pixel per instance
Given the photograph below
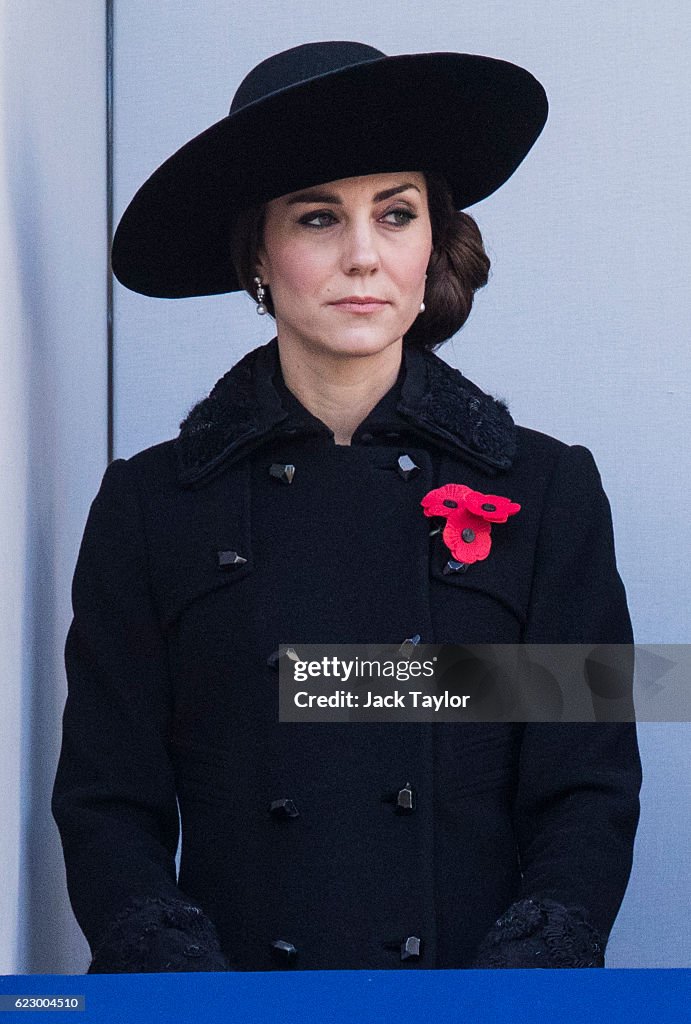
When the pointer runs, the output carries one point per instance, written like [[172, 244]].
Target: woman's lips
[[366, 305]]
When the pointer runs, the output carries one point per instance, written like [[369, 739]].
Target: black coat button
[[282, 471], [274, 659], [409, 645], [230, 559], [193, 951], [284, 808], [406, 467], [411, 948], [366, 438], [453, 566], [405, 800], [284, 952]]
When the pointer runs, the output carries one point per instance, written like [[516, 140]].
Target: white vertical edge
[[13, 476]]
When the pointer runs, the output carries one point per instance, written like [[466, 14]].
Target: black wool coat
[[518, 848]]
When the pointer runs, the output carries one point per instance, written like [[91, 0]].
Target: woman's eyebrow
[[393, 191], [330, 197]]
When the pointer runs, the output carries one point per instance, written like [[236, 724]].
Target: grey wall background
[[52, 430], [583, 329]]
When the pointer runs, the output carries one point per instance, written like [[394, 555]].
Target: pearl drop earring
[[261, 308]]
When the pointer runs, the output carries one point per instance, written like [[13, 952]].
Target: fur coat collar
[[248, 405]]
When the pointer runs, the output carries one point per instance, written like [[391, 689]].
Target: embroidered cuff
[[541, 933], [156, 935]]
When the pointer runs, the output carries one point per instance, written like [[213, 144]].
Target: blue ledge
[[609, 996]]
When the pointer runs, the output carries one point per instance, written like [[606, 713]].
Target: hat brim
[[471, 118]]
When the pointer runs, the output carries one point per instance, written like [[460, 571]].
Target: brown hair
[[458, 265]]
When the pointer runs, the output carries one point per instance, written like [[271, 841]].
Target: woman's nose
[[360, 251]]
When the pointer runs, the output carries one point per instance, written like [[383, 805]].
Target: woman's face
[[358, 238]]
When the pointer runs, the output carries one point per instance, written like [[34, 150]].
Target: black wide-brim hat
[[317, 113]]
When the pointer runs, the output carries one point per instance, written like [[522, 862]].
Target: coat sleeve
[[576, 807], [114, 797]]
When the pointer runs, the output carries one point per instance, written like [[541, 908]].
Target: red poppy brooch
[[469, 516]]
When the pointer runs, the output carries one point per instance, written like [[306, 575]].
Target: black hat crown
[[297, 65]]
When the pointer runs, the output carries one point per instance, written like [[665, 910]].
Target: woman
[[295, 507]]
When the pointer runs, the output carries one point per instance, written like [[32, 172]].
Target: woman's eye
[[403, 217], [323, 217]]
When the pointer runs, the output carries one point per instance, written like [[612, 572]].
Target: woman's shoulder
[[147, 472], [536, 448], [561, 476], [158, 461]]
